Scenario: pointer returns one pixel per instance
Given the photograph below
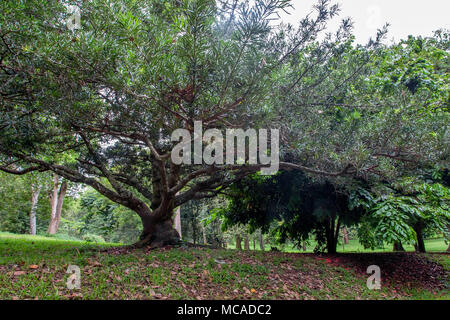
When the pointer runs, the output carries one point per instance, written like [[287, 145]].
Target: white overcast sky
[[416, 17]]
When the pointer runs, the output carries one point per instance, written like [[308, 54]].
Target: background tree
[[22, 205], [15, 204], [97, 218], [56, 197], [403, 212], [299, 206], [113, 91], [35, 191], [373, 125]]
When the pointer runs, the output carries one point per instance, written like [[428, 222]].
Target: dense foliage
[[97, 106], [405, 212], [291, 206]]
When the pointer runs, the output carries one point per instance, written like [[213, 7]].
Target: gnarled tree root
[[159, 235]]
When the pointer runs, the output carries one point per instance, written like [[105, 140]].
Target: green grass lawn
[[431, 245], [34, 267]]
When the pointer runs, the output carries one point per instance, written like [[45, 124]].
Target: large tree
[[109, 94], [113, 91], [56, 196]]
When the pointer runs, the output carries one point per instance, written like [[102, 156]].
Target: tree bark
[[246, 243], [158, 225], [345, 234], [331, 246], [420, 244], [261, 241], [53, 196], [194, 227], [57, 200], [332, 234], [178, 221], [61, 197], [204, 236], [35, 191], [398, 247], [158, 230], [238, 242]]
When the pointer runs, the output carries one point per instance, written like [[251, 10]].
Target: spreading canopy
[[97, 105]]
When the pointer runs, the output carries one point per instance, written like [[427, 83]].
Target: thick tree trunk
[[238, 242], [158, 232], [57, 200], [261, 241], [420, 244], [35, 191], [398, 246], [158, 225], [331, 246], [246, 243]]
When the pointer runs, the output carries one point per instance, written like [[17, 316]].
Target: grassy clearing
[[431, 245], [34, 267]]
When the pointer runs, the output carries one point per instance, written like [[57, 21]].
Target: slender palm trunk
[[57, 201], [178, 221], [61, 197], [35, 191], [345, 234], [261, 241], [238, 242], [53, 196], [194, 227], [246, 243], [205, 242]]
